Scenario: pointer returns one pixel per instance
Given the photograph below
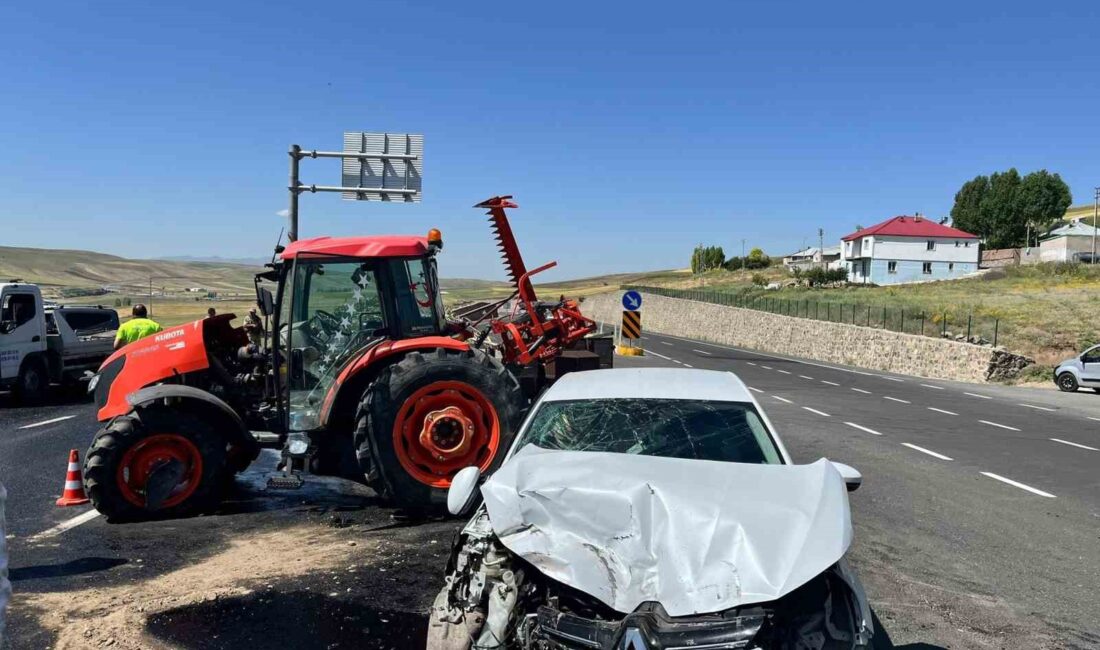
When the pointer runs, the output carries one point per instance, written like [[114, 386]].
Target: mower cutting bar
[[361, 190], [357, 154]]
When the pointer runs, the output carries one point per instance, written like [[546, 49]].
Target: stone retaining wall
[[854, 345]]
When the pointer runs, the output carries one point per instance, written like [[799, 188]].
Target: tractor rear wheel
[[428, 416], [155, 463]]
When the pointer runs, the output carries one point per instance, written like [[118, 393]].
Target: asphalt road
[[982, 502], [951, 556]]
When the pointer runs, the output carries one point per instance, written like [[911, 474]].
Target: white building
[[1071, 242], [908, 249], [810, 257]]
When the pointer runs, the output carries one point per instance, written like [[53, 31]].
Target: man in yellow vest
[[136, 328]]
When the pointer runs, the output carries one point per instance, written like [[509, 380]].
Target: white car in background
[[1080, 371], [652, 508]]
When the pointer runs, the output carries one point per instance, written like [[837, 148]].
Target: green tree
[[705, 258], [756, 259], [966, 214], [1002, 207], [1043, 199]]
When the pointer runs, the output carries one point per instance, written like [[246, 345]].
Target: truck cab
[[40, 345]]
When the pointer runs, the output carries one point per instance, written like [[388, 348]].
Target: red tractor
[[362, 376]]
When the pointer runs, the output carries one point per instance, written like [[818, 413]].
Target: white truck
[[41, 344]]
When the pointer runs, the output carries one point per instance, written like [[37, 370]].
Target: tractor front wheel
[[428, 416], [155, 463]]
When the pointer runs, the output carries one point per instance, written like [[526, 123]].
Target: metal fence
[[946, 324]]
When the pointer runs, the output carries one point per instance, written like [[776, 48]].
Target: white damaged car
[[652, 508]]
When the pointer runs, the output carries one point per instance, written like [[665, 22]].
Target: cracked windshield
[[700, 430], [336, 308]]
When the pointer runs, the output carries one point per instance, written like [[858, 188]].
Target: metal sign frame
[[411, 176]]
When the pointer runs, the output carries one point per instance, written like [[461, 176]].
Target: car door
[[1090, 366], [21, 332]]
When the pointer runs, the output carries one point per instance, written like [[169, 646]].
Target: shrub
[[759, 280]]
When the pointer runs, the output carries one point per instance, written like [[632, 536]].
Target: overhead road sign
[[632, 324], [390, 169], [374, 167], [632, 300]]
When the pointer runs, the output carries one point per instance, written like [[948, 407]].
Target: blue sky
[[628, 132]]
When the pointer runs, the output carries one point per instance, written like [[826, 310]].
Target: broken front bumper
[[649, 628]]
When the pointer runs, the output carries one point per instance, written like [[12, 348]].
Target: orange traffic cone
[[74, 483]]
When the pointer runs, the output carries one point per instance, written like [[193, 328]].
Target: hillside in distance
[[77, 269]]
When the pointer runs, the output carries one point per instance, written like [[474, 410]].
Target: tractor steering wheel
[[326, 323]]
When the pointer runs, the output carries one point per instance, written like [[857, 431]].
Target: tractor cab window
[[335, 310], [417, 300]]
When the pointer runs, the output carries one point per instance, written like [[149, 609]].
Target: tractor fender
[[344, 394], [201, 402]]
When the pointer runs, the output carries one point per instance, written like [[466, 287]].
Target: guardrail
[[978, 329]]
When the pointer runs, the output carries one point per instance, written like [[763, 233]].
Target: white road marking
[[688, 366], [895, 399], [831, 383], [805, 377], [860, 390], [1074, 444], [702, 352], [676, 361], [994, 424], [783, 399], [766, 367], [776, 356], [45, 422], [82, 518], [785, 372], [821, 413], [926, 451], [863, 428], [891, 378], [1040, 408], [1019, 485], [977, 395], [1092, 418], [665, 343], [750, 363], [931, 386], [658, 354], [755, 390], [933, 408]]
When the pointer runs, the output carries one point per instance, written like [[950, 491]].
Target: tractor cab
[[340, 296]]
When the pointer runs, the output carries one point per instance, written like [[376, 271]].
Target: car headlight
[[92, 383]]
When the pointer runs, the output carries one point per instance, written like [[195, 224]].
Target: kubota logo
[[168, 336]]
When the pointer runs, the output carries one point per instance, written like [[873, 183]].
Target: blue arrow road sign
[[632, 301]]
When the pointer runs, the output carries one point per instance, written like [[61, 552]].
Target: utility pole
[[821, 245], [1095, 210]]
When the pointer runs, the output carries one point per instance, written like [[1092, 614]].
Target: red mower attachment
[[534, 330]]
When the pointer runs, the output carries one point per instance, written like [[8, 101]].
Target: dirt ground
[[305, 577]]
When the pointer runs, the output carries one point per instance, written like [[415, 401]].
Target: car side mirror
[[463, 490], [267, 302], [7, 327], [852, 478]]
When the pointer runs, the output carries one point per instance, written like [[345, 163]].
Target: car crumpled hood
[[696, 536]]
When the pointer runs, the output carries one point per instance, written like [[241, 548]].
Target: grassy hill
[[55, 270]]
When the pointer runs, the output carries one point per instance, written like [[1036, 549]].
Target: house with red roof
[[908, 249]]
